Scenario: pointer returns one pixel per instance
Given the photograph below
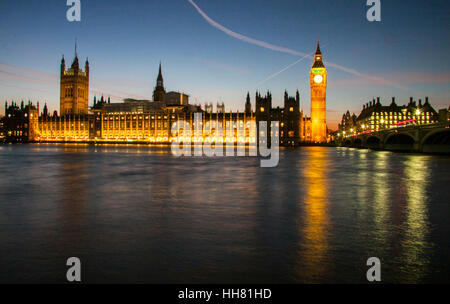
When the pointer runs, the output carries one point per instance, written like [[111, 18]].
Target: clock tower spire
[[318, 84], [318, 63]]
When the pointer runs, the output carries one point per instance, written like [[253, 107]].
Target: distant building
[[291, 120], [128, 105], [248, 105], [152, 120], [20, 124], [208, 108], [375, 117], [220, 107], [305, 128], [444, 115], [176, 98], [2, 131]]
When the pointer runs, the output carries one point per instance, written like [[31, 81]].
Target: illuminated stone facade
[[318, 84], [376, 117], [151, 120], [74, 88], [64, 128]]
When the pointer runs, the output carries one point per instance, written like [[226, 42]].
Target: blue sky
[[406, 54]]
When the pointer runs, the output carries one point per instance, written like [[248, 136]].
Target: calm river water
[[136, 214]]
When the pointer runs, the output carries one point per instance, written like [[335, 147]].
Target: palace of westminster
[[146, 121]]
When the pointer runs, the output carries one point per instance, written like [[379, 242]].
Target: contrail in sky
[[286, 50], [245, 38], [284, 69]]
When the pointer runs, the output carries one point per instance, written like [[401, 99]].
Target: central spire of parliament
[[159, 80], [159, 92]]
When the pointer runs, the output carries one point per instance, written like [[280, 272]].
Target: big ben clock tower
[[318, 83]]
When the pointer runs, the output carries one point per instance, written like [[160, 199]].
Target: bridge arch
[[399, 142], [357, 142], [373, 142], [399, 138], [347, 142], [437, 141], [437, 136]]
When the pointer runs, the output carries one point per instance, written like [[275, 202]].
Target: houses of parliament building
[[150, 121]]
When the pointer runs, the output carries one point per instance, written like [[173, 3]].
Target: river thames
[[137, 214]]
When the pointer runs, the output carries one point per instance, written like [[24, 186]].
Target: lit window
[[262, 109]]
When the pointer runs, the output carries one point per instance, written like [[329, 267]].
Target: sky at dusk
[[216, 51]]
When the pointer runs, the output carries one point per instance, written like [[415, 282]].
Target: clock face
[[318, 78]]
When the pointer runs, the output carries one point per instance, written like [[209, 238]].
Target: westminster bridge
[[429, 138]]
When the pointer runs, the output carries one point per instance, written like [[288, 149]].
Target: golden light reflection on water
[[72, 199], [162, 149], [414, 243], [73, 182], [315, 222], [362, 191], [313, 255], [381, 198]]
